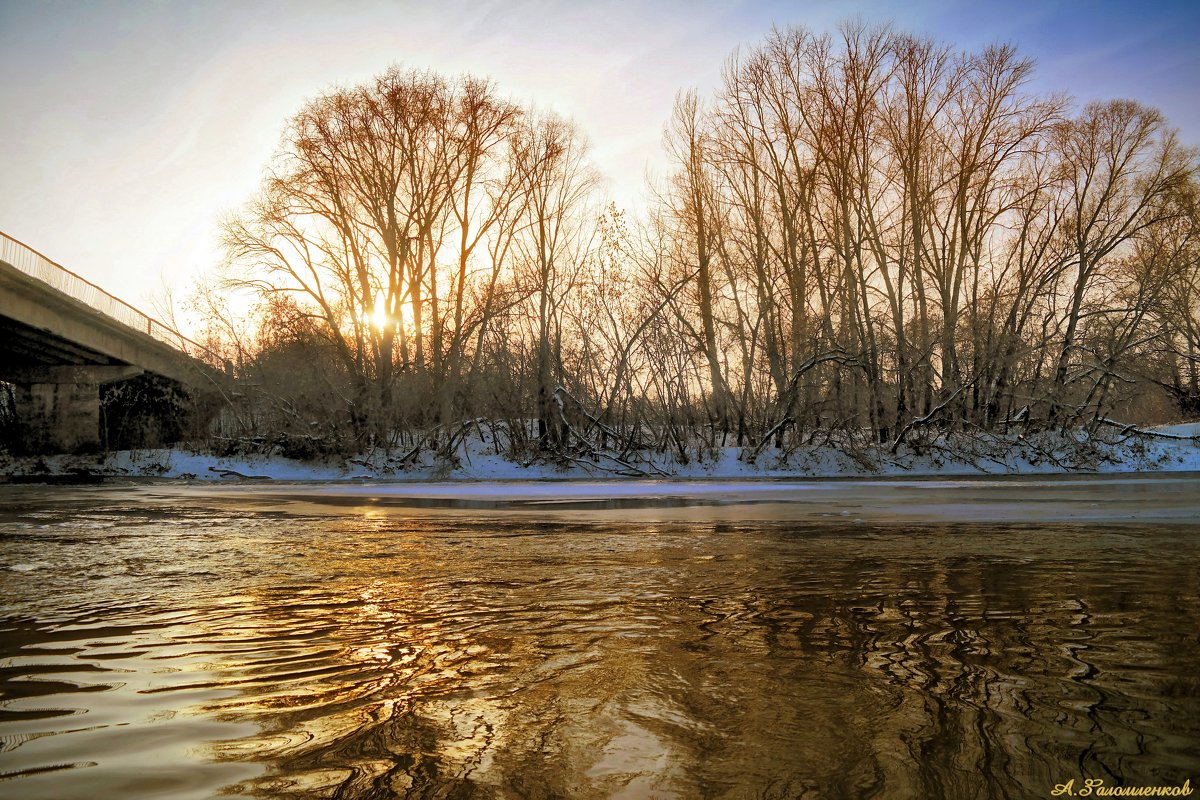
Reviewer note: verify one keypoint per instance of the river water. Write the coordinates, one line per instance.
(970, 639)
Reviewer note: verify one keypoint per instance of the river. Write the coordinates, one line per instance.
(891, 639)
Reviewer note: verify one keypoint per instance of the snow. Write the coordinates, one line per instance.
(477, 461)
(1184, 429)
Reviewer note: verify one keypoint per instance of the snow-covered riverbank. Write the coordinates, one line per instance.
(476, 460)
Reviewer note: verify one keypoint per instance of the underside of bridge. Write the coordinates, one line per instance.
(57, 396)
(58, 352)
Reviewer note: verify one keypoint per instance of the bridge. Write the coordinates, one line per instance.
(62, 338)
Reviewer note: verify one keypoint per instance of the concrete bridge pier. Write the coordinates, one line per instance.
(58, 407)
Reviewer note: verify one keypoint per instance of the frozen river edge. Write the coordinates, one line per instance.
(1169, 498)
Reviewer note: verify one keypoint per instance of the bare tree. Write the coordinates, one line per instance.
(1120, 163)
(692, 203)
(369, 183)
(557, 180)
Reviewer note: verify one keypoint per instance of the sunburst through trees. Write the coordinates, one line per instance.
(865, 233)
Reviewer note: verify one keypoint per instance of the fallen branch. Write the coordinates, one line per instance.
(928, 418)
(590, 448)
(1129, 428)
(766, 438)
(596, 422)
(229, 473)
(837, 355)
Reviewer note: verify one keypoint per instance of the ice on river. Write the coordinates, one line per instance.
(1014, 499)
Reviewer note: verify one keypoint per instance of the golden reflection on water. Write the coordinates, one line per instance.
(380, 655)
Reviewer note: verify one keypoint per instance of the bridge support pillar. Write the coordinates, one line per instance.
(58, 408)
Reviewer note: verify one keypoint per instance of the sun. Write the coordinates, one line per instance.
(380, 318)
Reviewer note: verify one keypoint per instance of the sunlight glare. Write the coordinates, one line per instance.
(379, 317)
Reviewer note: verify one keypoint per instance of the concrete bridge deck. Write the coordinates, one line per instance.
(62, 337)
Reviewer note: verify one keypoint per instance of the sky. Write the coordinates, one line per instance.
(129, 129)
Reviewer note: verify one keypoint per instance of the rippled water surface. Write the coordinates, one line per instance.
(194, 642)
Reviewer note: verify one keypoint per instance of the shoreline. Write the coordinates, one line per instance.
(853, 503)
(476, 461)
(424, 480)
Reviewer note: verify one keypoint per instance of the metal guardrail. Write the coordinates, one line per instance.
(36, 265)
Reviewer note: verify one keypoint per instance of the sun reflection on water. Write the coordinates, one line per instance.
(361, 656)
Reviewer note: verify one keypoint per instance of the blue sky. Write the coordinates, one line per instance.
(128, 128)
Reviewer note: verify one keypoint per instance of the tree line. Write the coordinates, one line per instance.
(864, 234)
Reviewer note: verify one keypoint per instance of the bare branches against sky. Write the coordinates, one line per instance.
(132, 127)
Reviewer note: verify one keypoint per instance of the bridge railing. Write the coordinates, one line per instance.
(36, 265)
